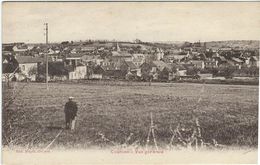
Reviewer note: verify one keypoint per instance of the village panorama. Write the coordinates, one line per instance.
(131, 97)
(133, 61)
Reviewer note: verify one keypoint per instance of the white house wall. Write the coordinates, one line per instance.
(25, 68)
(79, 73)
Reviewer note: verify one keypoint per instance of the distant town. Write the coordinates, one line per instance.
(135, 61)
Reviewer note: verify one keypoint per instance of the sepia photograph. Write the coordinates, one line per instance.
(130, 82)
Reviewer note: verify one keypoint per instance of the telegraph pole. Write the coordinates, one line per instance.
(46, 35)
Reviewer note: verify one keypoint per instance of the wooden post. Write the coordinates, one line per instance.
(46, 34)
(196, 144)
(199, 132)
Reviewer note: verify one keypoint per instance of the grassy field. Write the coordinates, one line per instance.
(227, 113)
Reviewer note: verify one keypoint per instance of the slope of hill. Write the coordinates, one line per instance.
(251, 44)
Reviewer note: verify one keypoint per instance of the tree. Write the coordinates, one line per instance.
(147, 77)
(54, 69)
(213, 71)
(65, 42)
(253, 70)
(10, 65)
(138, 47)
(209, 53)
(164, 74)
(32, 71)
(228, 71)
(192, 71)
(174, 68)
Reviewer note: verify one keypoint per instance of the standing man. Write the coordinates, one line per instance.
(70, 110)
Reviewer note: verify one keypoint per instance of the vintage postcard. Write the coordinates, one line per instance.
(130, 82)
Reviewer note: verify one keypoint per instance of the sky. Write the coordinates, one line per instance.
(147, 21)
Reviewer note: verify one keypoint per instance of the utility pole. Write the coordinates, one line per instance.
(46, 35)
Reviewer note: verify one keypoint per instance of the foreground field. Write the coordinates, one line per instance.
(226, 113)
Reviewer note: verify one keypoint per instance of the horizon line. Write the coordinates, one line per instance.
(113, 40)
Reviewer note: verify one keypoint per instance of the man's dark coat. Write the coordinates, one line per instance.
(70, 110)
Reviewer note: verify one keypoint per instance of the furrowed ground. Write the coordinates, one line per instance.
(227, 113)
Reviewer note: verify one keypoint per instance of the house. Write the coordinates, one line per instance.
(56, 49)
(72, 59)
(163, 69)
(53, 50)
(160, 65)
(7, 49)
(214, 49)
(98, 60)
(159, 54)
(211, 63)
(93, 58)
(101, 49)
(28, 67)
(236, 62)
(148, 67)
(177, 58)
(174, 51)
(166, 74)
(138, 59)
(186, 49)
(121, 56)
(74, 63)
(88, 49)
(124, 68)
(225, 49)
(201, 56)
(221, 59)
(157, 69)
(181, 72)
(78, 72)
(107, 61)
(132, 68)
(67, 50)
(97, 73)
(55, 57)
(60, 71)
(88, 58)
(215, 55)
(115, 69)
(113, 72)
(20, 48)
(198, 63)
(75, 50)
(178, 70)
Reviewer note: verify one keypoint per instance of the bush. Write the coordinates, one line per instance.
(192, 71)
(227, 72)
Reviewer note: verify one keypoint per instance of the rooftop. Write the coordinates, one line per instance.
(28, 59)
(161, 65)
(131, 64)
